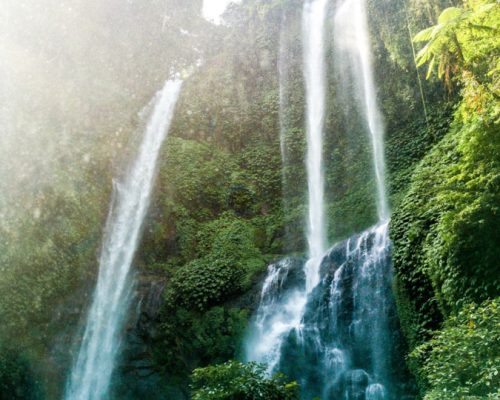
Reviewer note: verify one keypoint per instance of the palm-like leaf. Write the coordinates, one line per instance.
(443, 47)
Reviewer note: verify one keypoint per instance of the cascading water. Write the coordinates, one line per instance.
(281, 308)
(332, 325)
(352, 53)
(276, 319)
(353, 63)
(91, 374)
(344, 349)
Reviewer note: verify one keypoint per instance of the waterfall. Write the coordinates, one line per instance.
(314, 75)
(281, 308)
(353, 61)
(338, 341)
(277, 318)
(330, 322)
(91, 374)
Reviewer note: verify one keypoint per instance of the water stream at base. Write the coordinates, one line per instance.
(91, 375)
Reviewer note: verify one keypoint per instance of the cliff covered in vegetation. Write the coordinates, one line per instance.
(229, 200)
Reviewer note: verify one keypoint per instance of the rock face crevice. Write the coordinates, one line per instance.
(137, 375)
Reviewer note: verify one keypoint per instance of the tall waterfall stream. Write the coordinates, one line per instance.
(329, 322)
(91, 374)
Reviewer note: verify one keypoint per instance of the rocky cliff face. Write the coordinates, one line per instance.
(137, 374)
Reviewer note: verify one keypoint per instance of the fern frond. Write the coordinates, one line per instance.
(450, 14)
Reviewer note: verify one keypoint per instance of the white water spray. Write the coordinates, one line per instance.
(314, 14)
(276, 316)
(91, 375)
(353, 58)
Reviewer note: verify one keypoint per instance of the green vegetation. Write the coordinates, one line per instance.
(224, 205)
(446, 228)
(234, 380)
(463, 39)
(462, 360)
(447, 223)
(190, 338)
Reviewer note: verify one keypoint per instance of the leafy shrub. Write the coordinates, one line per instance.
(204, 282)
(463, 360)
(236, 381)
(229, 262)
(260, 164)
(241, 199)
(233, 240)
(194, 175)
(227, 237)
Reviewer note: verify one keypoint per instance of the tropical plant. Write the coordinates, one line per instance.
(461, 40)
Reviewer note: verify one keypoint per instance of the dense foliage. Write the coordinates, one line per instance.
(462, 360)
(446, 229)
(234, 380)
(190, 339)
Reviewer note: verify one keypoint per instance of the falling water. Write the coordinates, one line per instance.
(281, 308)
(277, 318)
(91, 375)
(345, 348)
(313, 24)
(332, 325)
(352, 52)
(353, 60)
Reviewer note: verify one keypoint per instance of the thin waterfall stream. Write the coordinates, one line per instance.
(329, 322)
(277, 322)
(353, 63)
(313, 26)
(91, 375)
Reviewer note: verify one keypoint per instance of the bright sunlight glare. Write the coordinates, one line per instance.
(213, 9)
